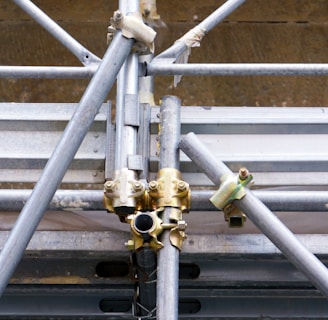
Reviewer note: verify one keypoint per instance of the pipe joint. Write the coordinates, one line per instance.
(145, 227)
(124, 195)
(169, 191)
(132, 26)
(233, 187)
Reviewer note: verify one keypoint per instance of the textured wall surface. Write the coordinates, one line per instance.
(259, 31)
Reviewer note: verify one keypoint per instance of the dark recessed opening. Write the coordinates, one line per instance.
(188, 271)
(143, 222)
(188, 306)
(115, 305)
(236, 222)
(108, 269)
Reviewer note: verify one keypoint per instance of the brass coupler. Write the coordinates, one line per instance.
(145, 227)
(169, 191)
(232, 188)
(124, 195)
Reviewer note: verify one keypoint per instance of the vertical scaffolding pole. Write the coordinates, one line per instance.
(168, 256)
(127, 84)
(260, 215)
(62, 156)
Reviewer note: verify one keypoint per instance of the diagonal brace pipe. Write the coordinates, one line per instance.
(84, 55)
(62, 156)
(260, 215)
(173, 52)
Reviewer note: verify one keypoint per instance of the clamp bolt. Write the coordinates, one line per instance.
(118, 16)
(137, 186)
(182, 225)
(130, 245)
(243, 173)
(109, 185)
(182, 186)
(153, 185)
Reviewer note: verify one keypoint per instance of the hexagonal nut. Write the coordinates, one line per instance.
(130, 245)
(109, 186)
(182, 225)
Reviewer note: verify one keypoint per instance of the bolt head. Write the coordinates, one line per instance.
(130, 244)
(137, 186)
(109, 185)
(118, 16)
(182, 225)
(182, 186)
(243, 173)
(153, 185)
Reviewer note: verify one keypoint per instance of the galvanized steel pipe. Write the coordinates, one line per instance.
(62, 156)
(260, 215)
(168, 257)
(84, 55)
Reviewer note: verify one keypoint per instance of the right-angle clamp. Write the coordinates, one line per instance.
(232, 188)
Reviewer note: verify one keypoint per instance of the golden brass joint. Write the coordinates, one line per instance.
(125, 192)
(145, 227)
(169, 191)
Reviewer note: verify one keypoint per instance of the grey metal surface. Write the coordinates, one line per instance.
(260, 215)
(49, 72)
(278, 143)
(276, 200)
(62, 156)
(29, 134)
(168, 256)
(275, 144)
(237, 69)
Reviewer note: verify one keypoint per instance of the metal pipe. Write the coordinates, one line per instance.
(237, 69)
(144, 223)
(84, 55)
(153, 68)
(62, 156)
(208, 24)
(260, 215)
(49, 72)
(126, 136)
(168, 257)
(303, 201)
(147, 264)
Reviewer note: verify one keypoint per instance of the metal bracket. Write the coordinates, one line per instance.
(145, 227)
(124, 192)
(232, 188)
(132, 26)
(169, 191)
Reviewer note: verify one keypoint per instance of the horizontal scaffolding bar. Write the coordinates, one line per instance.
(14, 200)
(48, 72)
(209, 69)
(237, 69)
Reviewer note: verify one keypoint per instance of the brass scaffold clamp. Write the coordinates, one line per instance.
(170, 191)
(124, 194)
(232, 188)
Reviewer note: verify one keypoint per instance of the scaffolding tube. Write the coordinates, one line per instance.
(62, 156)
(47, 72)
(168, 256)
(236, 69)
(260, 215)
(303, 201)
(154, 68)
(209, 23)
(84, 55)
